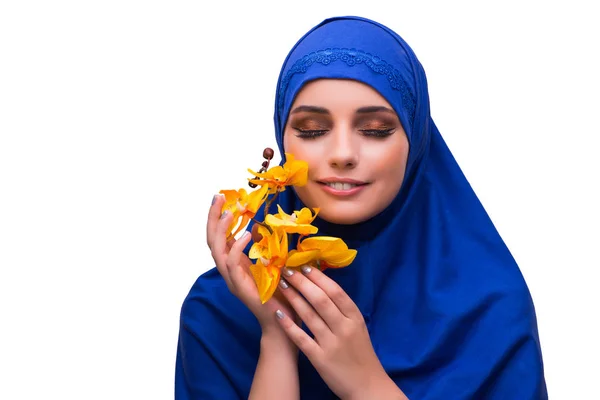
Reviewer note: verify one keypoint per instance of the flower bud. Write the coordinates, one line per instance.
(268, 153)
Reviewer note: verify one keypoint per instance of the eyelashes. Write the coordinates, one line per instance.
(310, 134)
(315, 133)
(378, 132)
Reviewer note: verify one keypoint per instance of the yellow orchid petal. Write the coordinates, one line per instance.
(257, 251)
(291, 173)
(266, 279)
(340, 260)
(276, 275)
(323, 243)
(297, 171)
(264, 231)
(282, 214)
(333, 251)
(231, 196)
(305, 216)
(242, 224)
(290, 226)
(297, 222)
(277, 173)
(257, 198)
(261, 174)
(234, 221)
(242, 205)
(304, 230)
(289, 158)
(298, 258)
(273, 247)
(279, 244)
(273, 186)
(297, 177)
(261, 248)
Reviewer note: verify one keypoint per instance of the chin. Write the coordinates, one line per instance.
(342, 218)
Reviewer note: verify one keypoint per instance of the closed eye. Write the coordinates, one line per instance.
(310, 134)
(378, 132)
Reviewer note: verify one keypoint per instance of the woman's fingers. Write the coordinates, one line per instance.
(305, 343)
(315, 289)
(305, 311)
(226, 253)
(214, 239)
(219, 249)
(333, 291)
(230, 243)
(214, 213)
(236, 268)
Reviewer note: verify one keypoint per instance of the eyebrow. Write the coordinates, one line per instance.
(321, 110)
(372, 109)
(313, 109)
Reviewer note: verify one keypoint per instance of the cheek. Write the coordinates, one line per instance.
(303, 150)
(392, 164)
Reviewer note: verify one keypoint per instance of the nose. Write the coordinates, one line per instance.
(344, 150)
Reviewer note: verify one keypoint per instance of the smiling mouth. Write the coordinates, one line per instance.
(341, 185)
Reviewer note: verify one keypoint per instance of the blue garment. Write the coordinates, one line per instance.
(448, 311)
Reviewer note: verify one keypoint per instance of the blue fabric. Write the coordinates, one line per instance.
(448, 311)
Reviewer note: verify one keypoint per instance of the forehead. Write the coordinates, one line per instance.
(338, 94)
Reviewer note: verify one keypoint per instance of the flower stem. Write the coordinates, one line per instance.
(299, 239)
(270, 201)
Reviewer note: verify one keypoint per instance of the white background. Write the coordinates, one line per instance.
(120, 119)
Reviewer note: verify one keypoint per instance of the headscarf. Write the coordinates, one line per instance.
(448, 311)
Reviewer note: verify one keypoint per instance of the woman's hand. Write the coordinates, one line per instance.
(234, 266)
(341, 350)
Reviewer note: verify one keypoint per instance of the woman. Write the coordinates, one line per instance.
(433, 306)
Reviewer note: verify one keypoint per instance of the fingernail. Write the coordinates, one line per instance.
(224, 214)
(279, 314)
(214, 199)
(245, 234)
(288, 272)
(283, 284)
(306, 269)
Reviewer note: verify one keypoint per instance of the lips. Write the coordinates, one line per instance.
(341, 180)
(342, 186)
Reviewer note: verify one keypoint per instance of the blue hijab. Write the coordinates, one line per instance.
(448, 311)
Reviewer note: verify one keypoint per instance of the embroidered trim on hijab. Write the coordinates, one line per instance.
(352, 57)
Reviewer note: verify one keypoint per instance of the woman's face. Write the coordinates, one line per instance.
(355, 147)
